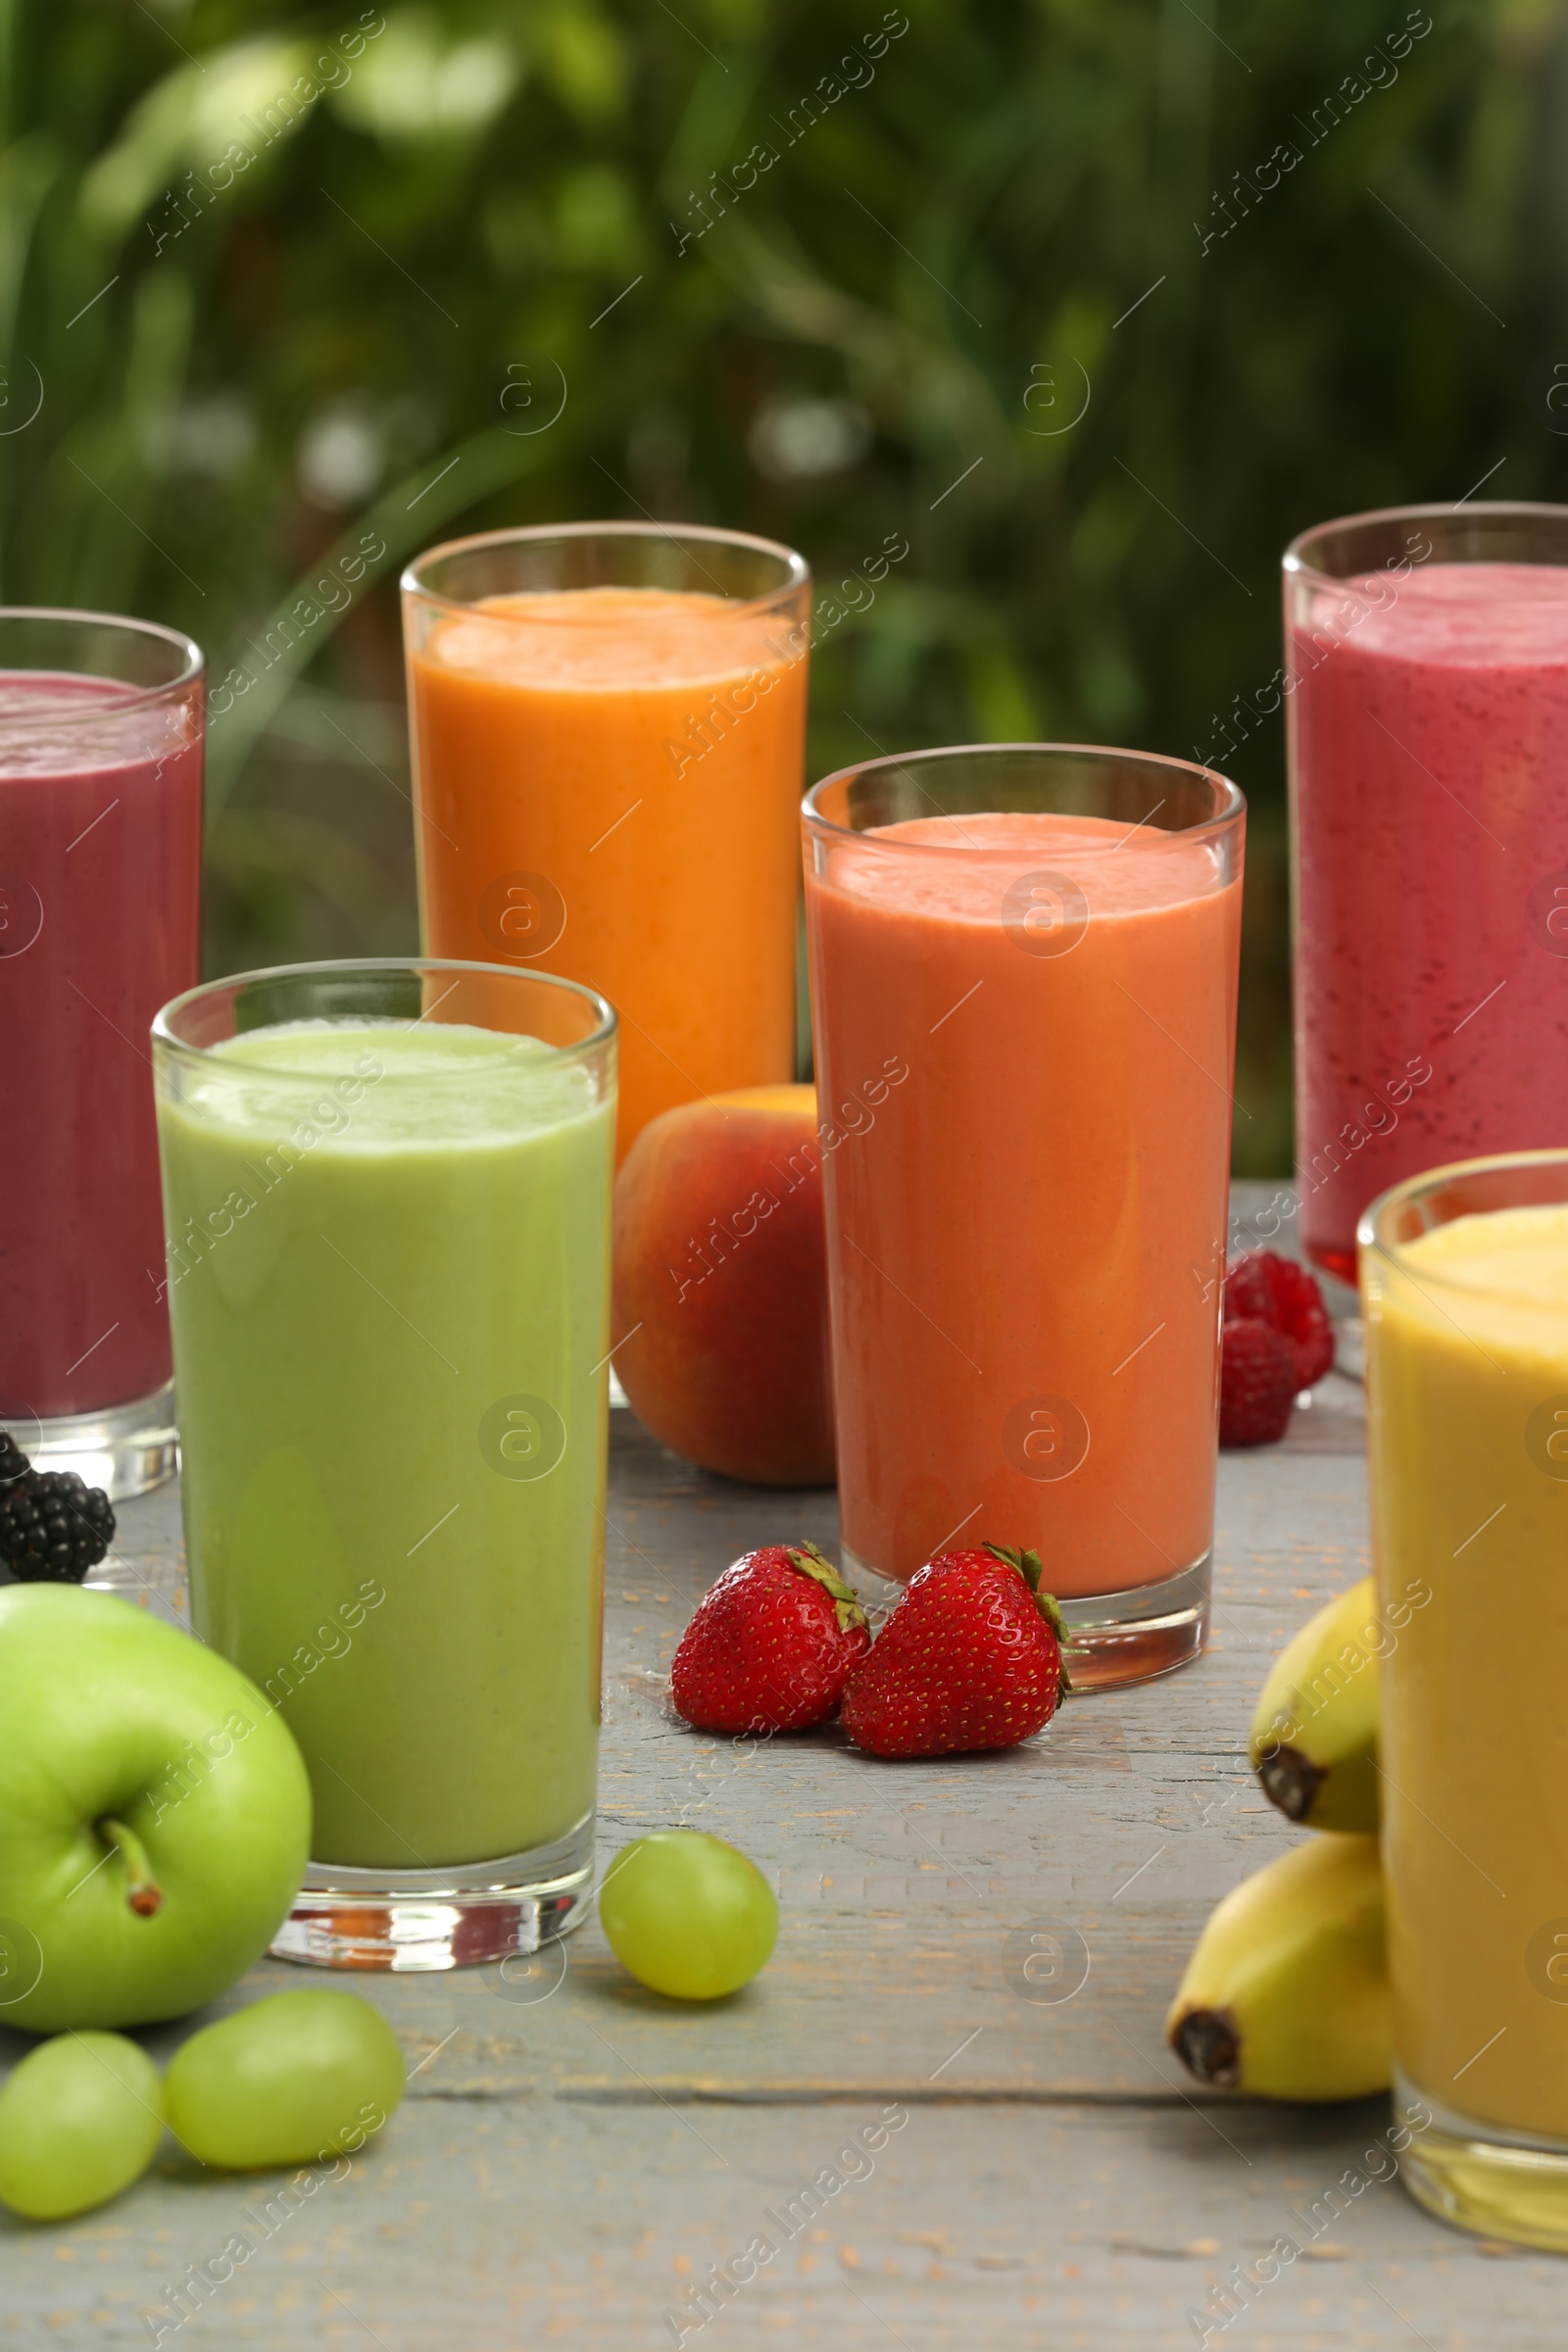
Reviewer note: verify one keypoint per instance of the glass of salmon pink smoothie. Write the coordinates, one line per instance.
(1427, 676)
(101, 740)
(387, 1199)
(1023, 979)
(608, 723)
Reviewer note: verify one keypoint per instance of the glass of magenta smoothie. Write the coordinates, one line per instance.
(1427, 677)
(101, 739)
(386, 1189)
(1023, 979)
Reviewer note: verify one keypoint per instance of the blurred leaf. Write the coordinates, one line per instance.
(1007, 710)
(238, 104)
(585, 62)
(253, 690)
(422, 81)
(596, 216)
(26, 169)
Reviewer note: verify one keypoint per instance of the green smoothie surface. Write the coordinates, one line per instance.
(434, 1083)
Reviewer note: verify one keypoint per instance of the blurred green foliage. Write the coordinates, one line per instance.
(283, 286)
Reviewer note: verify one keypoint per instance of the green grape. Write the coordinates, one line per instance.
(291, 2080)
(79, 2119)
(687, 1914)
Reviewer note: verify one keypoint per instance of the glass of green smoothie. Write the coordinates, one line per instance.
(386, 1197)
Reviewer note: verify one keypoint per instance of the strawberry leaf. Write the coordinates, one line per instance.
(1028, 1563)
(1049, 1608)
(810, 1562)
(1031, 1568)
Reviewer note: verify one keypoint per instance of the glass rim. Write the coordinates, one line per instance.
(165, 1036)
(66, 709)
(797, 569)
(1230, 815)
(1294, 566)
(1370, 1239)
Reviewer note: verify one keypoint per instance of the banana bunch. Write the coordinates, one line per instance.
(1287, 1994)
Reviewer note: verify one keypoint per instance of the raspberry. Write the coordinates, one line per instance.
(1250, 1286)
(1278, 1291)
(1257, 1383)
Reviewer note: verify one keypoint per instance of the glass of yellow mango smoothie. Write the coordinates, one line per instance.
(1464, 1287)
(386, 1195)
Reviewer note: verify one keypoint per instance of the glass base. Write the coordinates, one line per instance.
(1479, 2177)
(410, 1920)
(1328, 1259)
(1116, 1637)
(127, 1450)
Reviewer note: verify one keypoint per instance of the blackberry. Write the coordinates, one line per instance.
(53, 1526)
(13, 1462)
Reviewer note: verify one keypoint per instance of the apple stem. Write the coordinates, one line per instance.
(142, 1890)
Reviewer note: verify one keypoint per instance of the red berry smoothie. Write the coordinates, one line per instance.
(100, 861)
(1429, 738)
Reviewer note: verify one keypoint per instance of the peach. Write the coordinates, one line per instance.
(720, 1285)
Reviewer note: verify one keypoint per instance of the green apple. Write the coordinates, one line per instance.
(155, 1815)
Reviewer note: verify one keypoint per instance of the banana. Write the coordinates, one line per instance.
(1314, 1740)
(1287, 1995)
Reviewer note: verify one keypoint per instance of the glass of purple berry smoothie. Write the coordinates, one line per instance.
(1427, 689)
(101, 744)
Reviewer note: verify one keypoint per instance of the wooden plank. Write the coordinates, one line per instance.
(498, 2223)
(574, 2152)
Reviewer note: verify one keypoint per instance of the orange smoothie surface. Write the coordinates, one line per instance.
(606, 782)
(1025, 1234)
(609, 639)
(1120, 872)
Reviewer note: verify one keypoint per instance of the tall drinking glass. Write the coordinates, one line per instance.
(101, 738)
(1023, 976)
(1427, 671)
(386, 1187)
(1464, 1290)
(609, 725)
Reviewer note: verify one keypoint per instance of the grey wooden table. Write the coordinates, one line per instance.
(984, 2165)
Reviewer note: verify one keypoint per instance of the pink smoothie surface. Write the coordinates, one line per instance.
(100, 861)
(1429, 727)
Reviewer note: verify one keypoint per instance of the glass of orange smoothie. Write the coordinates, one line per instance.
(608, 723)
(1464, 1290)
(1023, 976)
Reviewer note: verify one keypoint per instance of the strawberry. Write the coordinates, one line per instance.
(1277, 1290)
(772, 1645)
(1257, 1383)
(971, 1657)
